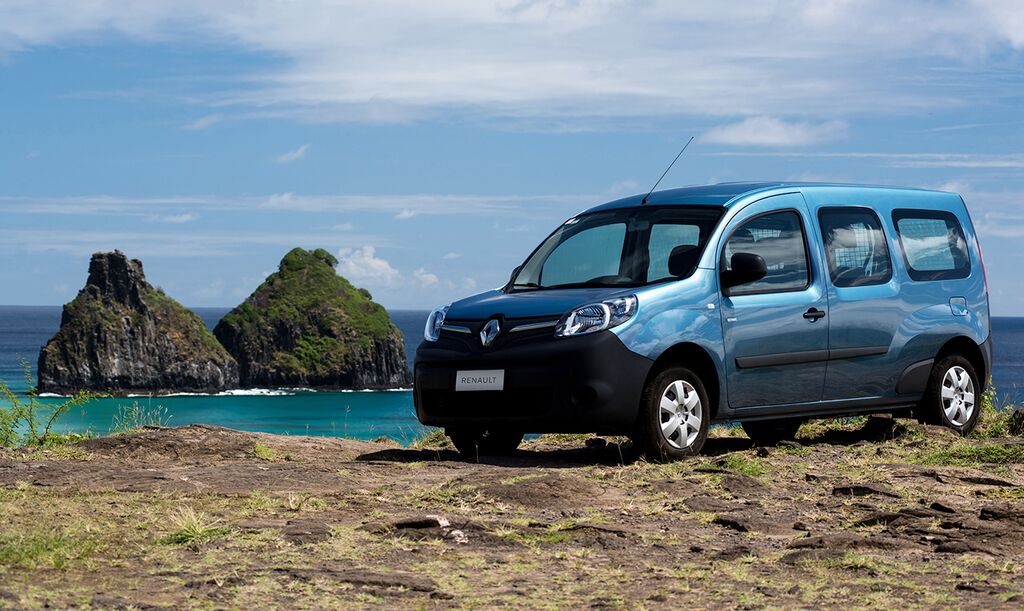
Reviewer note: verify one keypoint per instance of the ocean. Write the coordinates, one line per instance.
(359, 414)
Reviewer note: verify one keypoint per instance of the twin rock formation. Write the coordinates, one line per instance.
(305, 326)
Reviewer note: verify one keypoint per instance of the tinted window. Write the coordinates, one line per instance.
(855, 247)
(933, 244)
(779, 239)
(592, 253)
(669, 238)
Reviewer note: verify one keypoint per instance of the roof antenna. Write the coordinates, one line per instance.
(644, 200)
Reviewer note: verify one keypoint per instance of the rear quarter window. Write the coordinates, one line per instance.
(933, 244)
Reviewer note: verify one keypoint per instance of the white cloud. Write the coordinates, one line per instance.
(343, 227)
(362, 267)
(452, 256)
(469, 284)
(1011, 161)
(293, 156)
(425, 278)
(770, 131)
(406, 213)
(176, 219)
(558, 60)
(204, 122)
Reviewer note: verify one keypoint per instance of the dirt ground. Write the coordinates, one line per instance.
(881, 514)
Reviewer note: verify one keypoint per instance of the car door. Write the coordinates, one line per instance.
(775, 329)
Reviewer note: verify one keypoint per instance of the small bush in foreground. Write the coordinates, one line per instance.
(30, 415)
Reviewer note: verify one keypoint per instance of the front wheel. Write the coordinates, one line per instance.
(674, 415)
(473, 442)
(953, 395)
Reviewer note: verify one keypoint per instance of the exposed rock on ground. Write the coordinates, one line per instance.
(122, 335)
(843, 519)
(306, 326)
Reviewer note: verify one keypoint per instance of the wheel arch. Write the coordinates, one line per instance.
(971, 351)
(699, 360)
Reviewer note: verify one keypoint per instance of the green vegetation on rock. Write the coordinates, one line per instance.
(121, 334)
(308, 326)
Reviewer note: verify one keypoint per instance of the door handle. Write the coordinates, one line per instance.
(814, 314)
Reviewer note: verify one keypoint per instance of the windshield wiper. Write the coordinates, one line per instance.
(528, 285)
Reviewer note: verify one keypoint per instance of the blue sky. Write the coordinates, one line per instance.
(432, 145)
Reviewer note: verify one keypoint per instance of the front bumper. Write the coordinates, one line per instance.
(585, 384)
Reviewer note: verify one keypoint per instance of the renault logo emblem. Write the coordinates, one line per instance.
(489, 332)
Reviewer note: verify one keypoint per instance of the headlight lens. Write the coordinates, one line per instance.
(433, 329)
(595, 317)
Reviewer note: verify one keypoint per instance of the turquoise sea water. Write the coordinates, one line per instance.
(363, 415)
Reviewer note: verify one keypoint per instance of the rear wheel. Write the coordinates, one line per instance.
(953, 395)
(771, 432)
(473, 441)
(674, 415)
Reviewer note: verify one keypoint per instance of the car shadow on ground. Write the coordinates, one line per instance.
(597, 451)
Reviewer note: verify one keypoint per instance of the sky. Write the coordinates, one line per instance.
(432, 145)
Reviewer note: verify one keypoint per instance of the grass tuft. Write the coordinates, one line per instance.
(193, 527)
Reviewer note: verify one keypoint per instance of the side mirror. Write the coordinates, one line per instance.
(746, 268)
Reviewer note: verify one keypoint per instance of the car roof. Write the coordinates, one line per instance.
(726, 193)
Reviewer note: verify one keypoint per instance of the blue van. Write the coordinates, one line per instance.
(760, 303)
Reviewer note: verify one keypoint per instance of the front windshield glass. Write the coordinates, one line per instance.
(630, 247)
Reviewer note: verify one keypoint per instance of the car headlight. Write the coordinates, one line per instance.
(595, 317)
(433, 329)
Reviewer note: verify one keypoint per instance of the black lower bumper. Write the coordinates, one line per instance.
(581, 384)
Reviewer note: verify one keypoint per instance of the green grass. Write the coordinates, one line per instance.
(738, 463)
(263, 451)
(974, 455)
(56, 550)
(432, 440)
(193, 527)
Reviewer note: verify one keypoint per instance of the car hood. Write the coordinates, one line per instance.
(528, 304)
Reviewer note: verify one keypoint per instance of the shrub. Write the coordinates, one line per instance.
(26, 419)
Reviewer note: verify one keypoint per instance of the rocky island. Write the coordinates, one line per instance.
(120, 334)
(306, 326)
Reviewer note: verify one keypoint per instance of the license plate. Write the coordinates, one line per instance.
(483, 379)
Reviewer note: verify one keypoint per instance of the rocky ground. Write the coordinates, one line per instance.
(875, 514)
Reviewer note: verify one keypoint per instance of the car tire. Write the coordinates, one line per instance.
(473, 442)
(953, 395)
(674, 415)
(771, 432)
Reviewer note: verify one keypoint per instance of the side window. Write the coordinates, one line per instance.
(589, 254)
(933, 244)
(855, 247)
(779, 239)
(667, 238)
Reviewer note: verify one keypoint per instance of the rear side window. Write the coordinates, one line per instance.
(933, 244)
(779, 239)
(855, 247)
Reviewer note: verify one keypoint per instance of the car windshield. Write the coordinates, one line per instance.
(620, 248)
